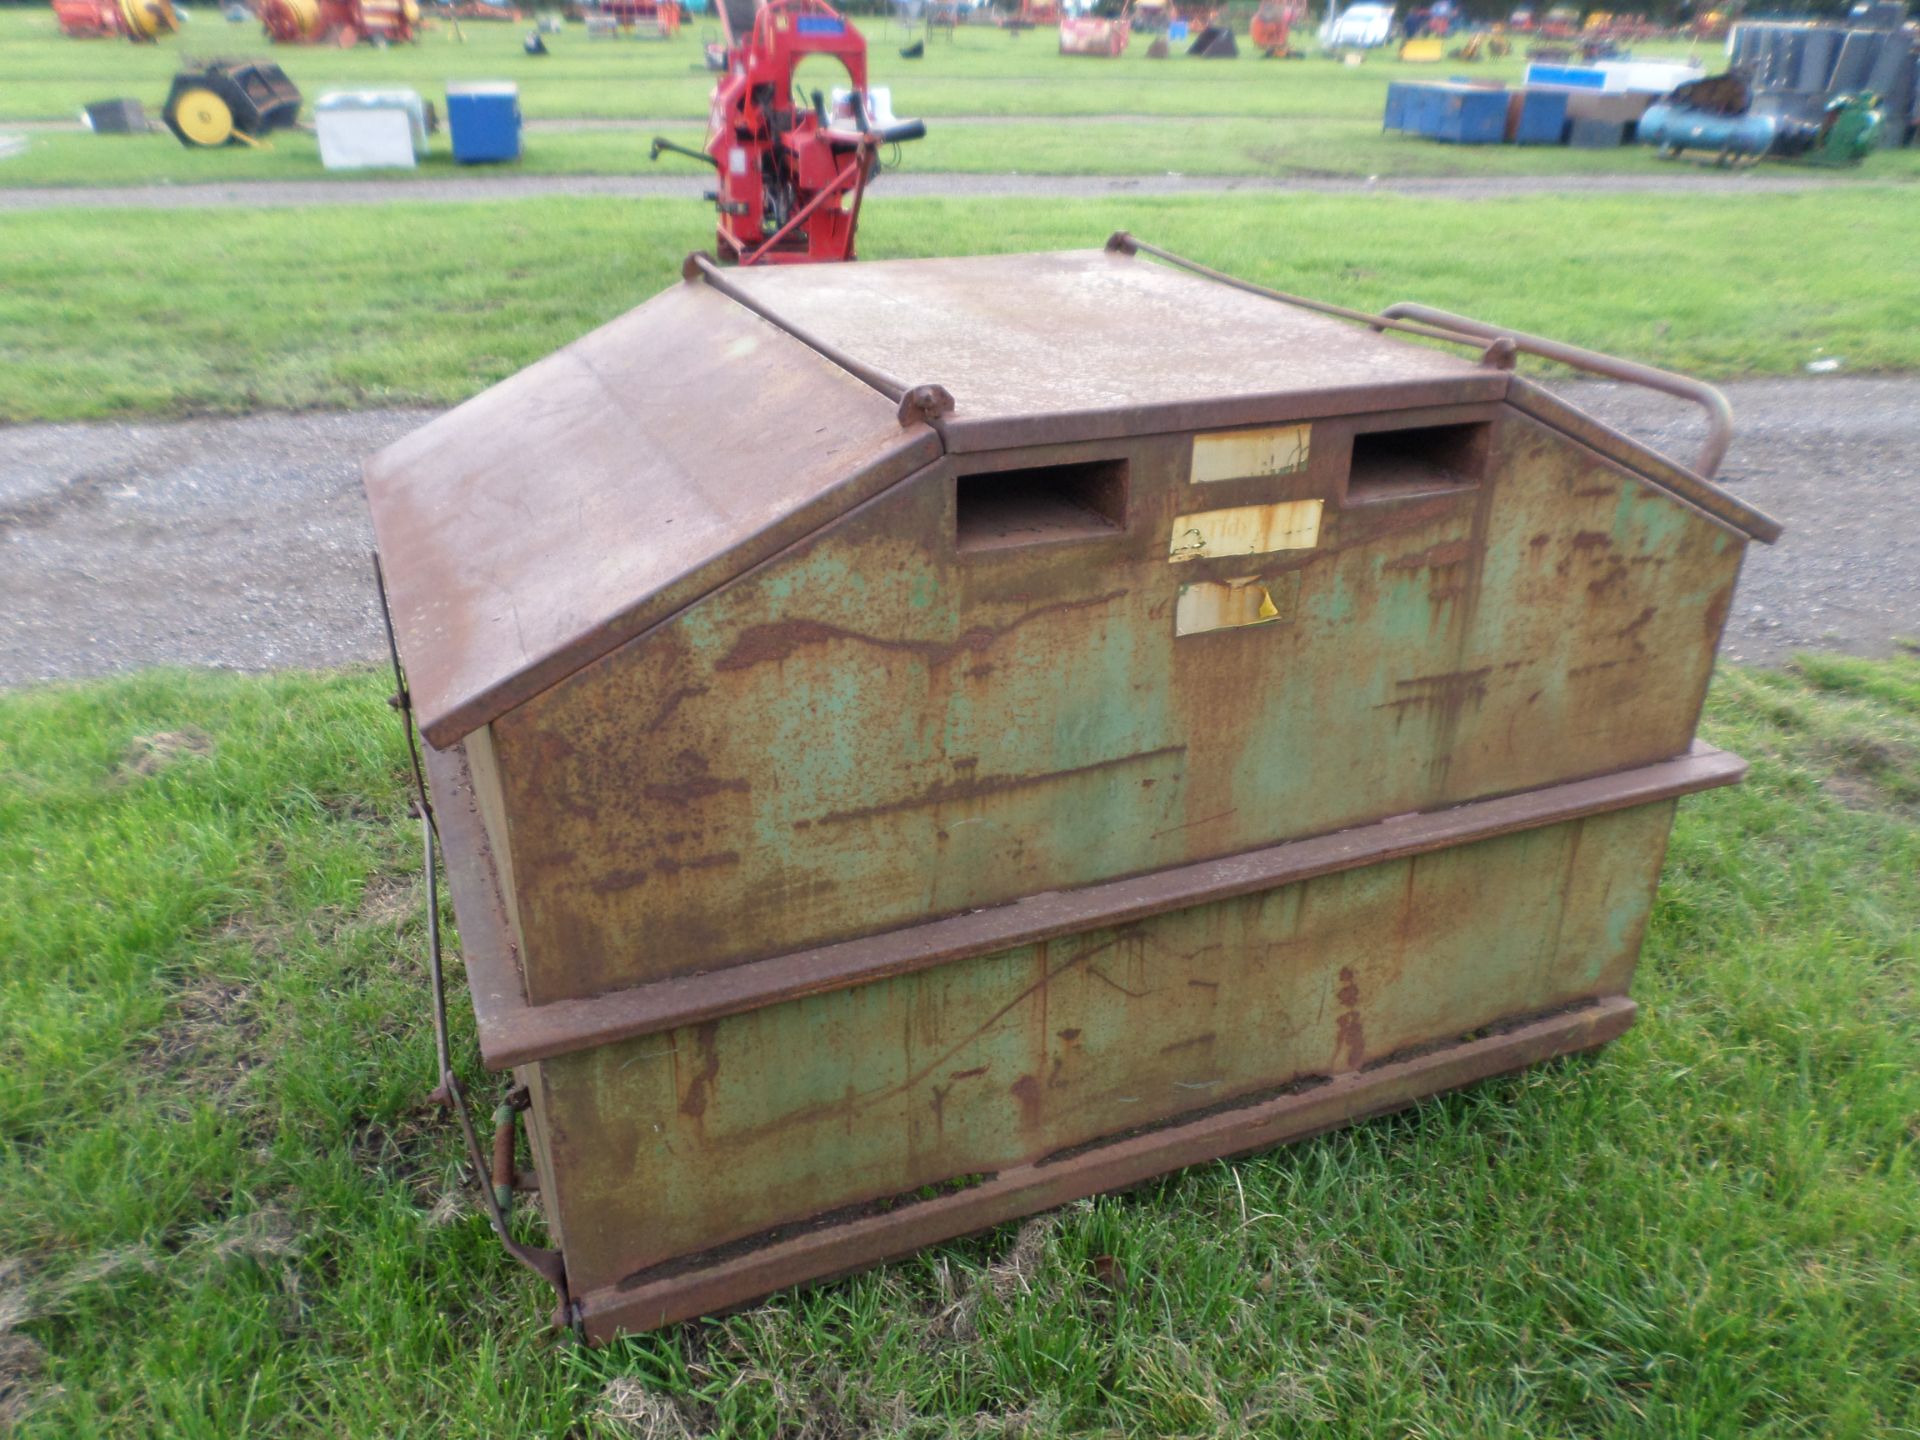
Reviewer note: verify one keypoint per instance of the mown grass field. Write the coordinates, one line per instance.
(189, 312)
(1246, 117)
(1292, 148)
(227, 1214)
(983, 71)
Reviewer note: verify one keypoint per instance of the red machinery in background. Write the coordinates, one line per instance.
(1103, 28)
(1031, 15)
(138, 20)
(658, 19)
(1272, 27)
(791, 174)
(341, 22)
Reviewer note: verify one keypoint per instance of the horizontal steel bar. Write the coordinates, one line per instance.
(1719, 411)
(925, 403)
(512, 1032)
(693, 1288)
(1121, 243)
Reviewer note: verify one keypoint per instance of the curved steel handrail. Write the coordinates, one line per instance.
(1719, 412)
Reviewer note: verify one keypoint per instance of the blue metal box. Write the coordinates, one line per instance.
(1541, 117)
(1466, 115)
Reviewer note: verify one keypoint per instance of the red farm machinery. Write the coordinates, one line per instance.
(137, 20)
(1271, 30)
(1031, 15)
(792, 168)
(1103, 28)
(647, 19)
(339, 22)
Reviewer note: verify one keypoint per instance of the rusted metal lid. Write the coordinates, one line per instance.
(541, 524)
(1088, 344)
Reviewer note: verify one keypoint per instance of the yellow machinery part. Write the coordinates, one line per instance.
(204, 118)
(149, 19)
(305, 15)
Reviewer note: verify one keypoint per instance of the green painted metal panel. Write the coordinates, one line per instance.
(878, 727)
(682, 1141)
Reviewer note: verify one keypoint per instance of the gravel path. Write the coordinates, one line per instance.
(688, 185)
(244, 543)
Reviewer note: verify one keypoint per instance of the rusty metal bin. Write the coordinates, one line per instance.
(876, 808)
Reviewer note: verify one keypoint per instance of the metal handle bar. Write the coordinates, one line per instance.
(1500, 342)
(1719, 412)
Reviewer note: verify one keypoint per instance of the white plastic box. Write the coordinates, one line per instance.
(371, 129)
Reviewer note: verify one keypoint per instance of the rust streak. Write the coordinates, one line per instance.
(700, 1090)
(1176, 829)
(986, 785)
(1188, 1044)
(1446, 552)
(685, 792)
(673, 703)
(615, 881)
(1447, 693)
(780, 640)
(1099, 974)
(1027, 1091)
(1631, 630)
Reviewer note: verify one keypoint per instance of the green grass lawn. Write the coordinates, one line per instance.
(227, 1214)
(984, 71)
(1292, 147)
(187, 312)
(1247, 117)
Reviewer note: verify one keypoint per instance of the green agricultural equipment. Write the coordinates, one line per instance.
(1848, 133)
(968, 734)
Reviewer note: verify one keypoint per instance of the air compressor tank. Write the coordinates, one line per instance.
(1672, 129)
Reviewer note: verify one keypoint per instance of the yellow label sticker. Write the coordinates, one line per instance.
(1246, 530)
(1248, 454)
(1226, 604)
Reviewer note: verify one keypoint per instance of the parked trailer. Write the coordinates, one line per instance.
(973, 733)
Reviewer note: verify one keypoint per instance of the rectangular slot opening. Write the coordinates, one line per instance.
(1049, 502)
(1391, 464)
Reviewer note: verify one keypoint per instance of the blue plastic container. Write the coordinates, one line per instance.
(1542, 119)
(1576, 77)
(1399, 96)
(1469, 115)
(484, 118)
(1423, 110)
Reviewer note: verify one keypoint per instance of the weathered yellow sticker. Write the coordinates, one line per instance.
(1224, 604)
(1246, 530)
(1246, 454)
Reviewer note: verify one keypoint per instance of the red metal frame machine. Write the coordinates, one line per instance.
(792, 175)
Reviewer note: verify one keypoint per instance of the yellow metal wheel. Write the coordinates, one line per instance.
(204, 118)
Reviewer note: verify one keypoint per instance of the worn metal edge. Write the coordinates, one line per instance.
(968, 435)
(857, 1243)
(1549, 409)
(487, 949)
(918, 448)
(513, 1032)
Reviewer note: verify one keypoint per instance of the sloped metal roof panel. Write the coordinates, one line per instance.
(549, 519)
(1087, 344)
